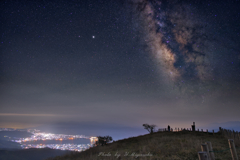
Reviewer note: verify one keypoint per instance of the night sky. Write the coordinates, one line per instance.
(121, 63)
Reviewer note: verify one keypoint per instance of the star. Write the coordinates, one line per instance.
(93, 37)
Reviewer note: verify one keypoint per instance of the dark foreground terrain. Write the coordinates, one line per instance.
(30, 154)
(158, 146)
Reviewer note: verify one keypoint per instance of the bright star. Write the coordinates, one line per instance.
(93, 36)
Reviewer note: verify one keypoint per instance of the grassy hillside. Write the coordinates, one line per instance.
(161, 145)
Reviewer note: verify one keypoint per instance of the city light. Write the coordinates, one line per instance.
(38, 136)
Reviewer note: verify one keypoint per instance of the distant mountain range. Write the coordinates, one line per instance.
(9, 145)
(231, 125)
(7, 136)
(14, 134)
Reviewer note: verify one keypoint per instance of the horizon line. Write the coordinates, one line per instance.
(24, 114)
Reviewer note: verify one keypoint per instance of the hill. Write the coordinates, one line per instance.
(14, 134)
(7, 136)
(182, 145)
(30, 154)
(9, 145)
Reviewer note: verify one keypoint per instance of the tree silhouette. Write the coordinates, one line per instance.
(103, 140)
(149, 128)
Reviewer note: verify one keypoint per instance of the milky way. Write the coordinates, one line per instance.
(124, 62)
(180, 42)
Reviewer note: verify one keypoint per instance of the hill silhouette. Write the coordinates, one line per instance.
(183, 145)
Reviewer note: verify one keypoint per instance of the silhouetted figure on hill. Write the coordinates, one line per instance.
(193, 126)
(168, 128)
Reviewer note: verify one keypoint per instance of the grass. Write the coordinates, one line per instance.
(161, 145)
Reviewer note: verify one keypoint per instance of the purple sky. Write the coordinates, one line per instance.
(119, 63)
